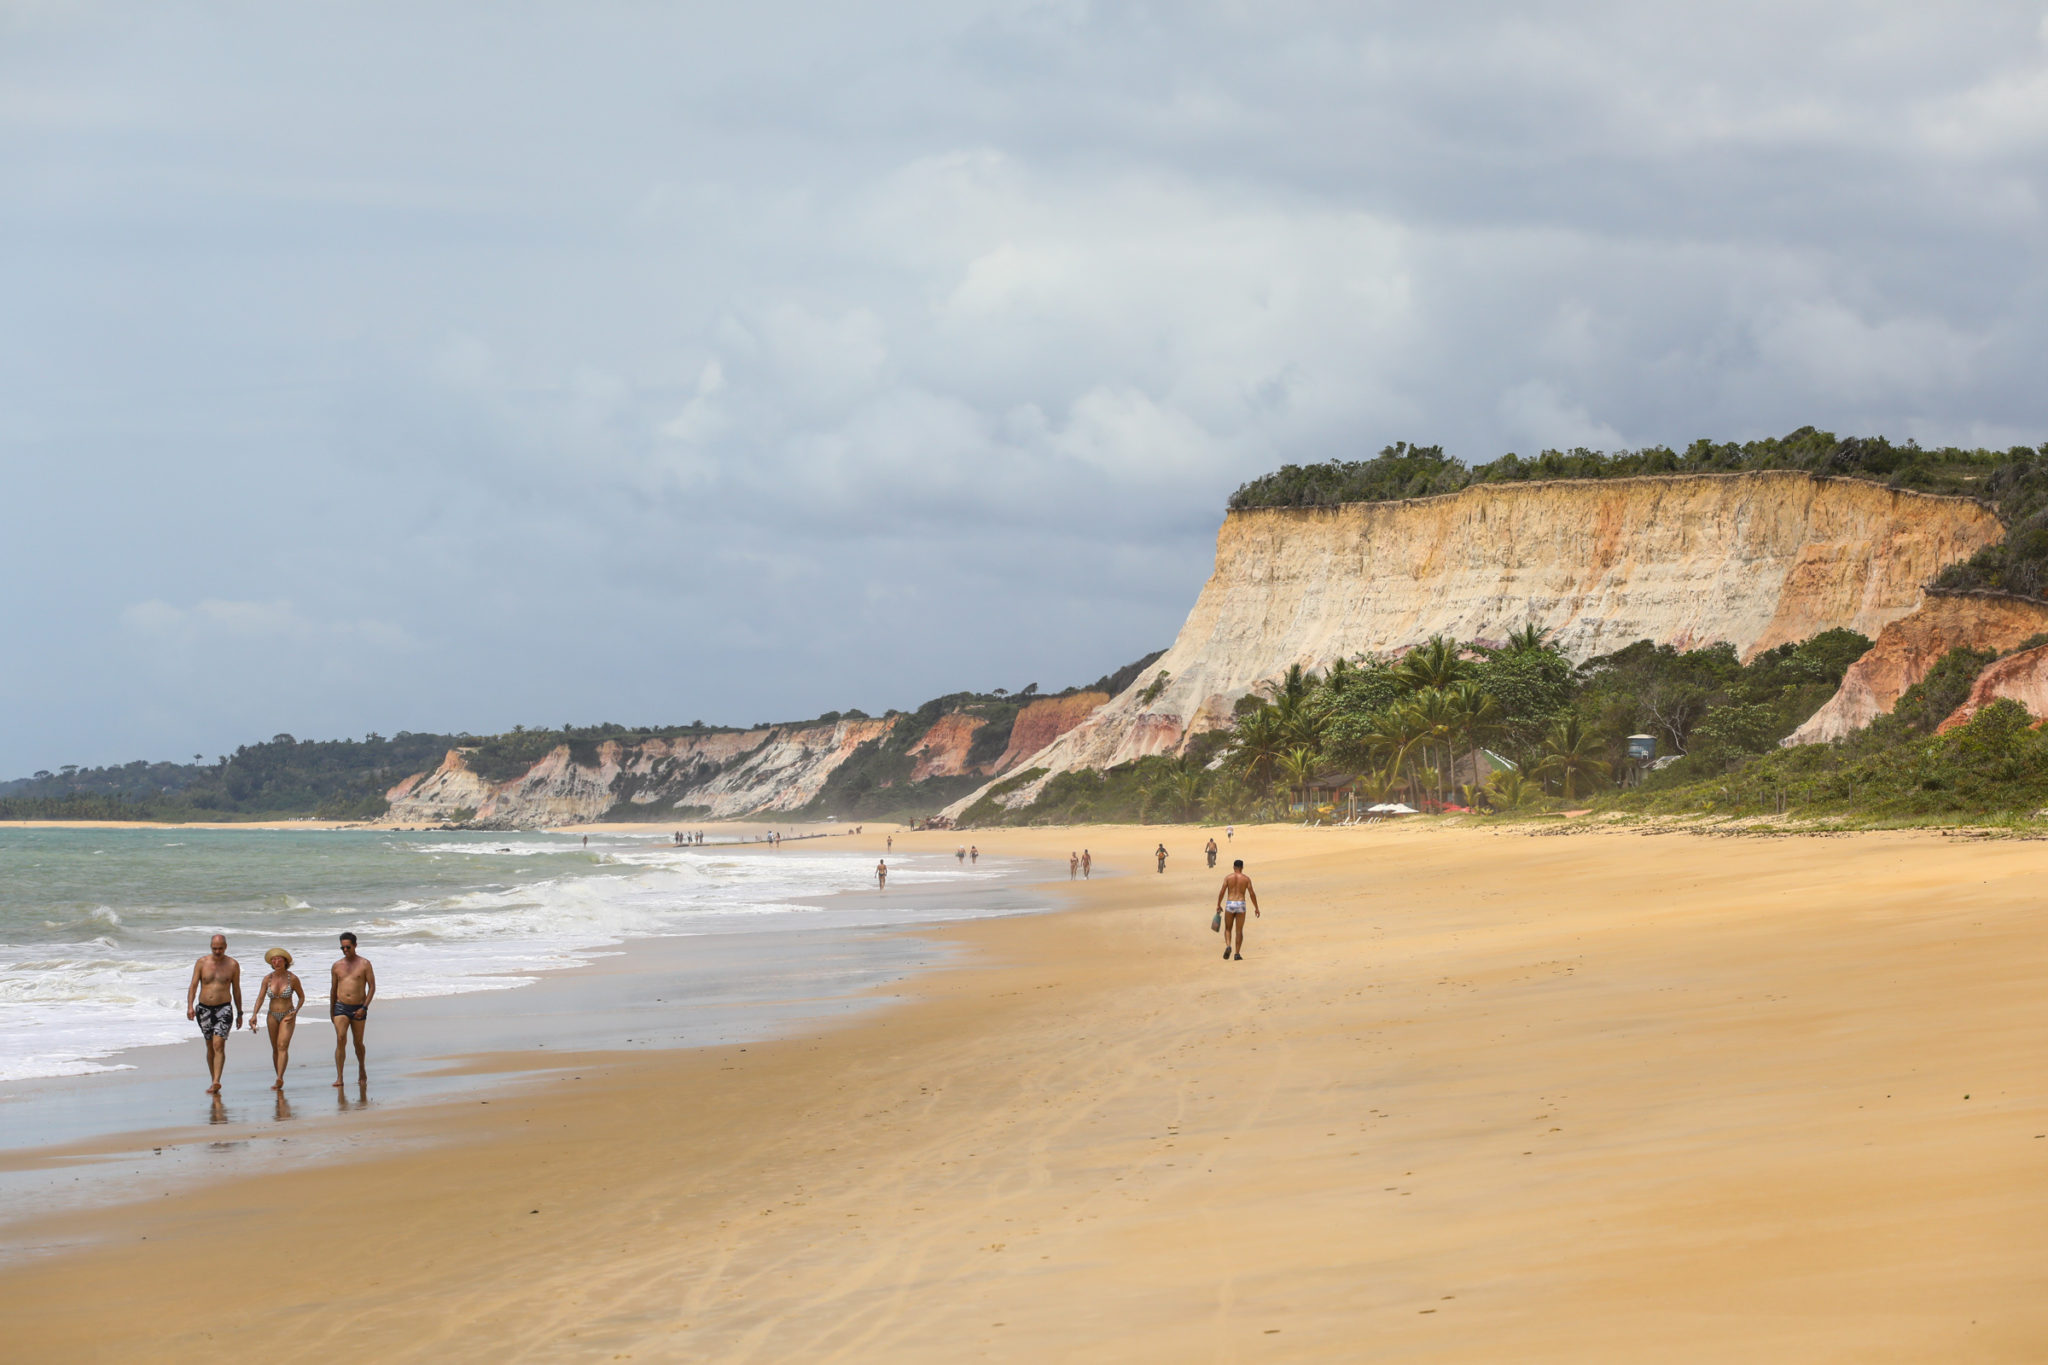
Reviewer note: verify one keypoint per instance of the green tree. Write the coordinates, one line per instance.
(1571, 757)
(1438, 663)
(1298, 767)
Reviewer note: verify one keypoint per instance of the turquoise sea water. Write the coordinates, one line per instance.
(99, 928)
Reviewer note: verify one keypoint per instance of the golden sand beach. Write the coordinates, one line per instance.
(1472, 1095)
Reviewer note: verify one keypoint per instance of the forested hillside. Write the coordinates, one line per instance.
(346, 779)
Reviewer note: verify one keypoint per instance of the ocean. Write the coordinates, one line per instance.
(99, 927)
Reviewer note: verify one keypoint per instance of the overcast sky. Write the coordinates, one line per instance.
(452, 366)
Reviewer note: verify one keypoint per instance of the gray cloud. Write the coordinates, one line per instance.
(440, 365)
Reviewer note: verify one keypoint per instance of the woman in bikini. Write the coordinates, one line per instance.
(285, 996)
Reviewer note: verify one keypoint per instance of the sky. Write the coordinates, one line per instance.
(451, 366)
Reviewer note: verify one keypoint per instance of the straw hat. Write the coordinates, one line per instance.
(273, 954)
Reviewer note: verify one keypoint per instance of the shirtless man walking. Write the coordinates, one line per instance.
(881, 874)
(353, 987)
(1230, 899)
(216, 979)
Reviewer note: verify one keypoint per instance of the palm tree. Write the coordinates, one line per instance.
(1438, 663)
(1436, 718)
(1258, 744)
(1298, 768)
(1227, 798)
(1293, 686)
(1569, 753)
(1528, 640)
(1379, 784)
(1479, 719)
(1510, 790)
(1180, 792)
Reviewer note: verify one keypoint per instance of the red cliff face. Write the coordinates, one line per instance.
(2021, 677)
(1044, 721)
(943, 750)
(1909, 646)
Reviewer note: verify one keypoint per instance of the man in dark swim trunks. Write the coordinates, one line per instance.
(216, 978)
(354, 986)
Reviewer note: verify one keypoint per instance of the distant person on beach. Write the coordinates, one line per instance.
(1086, 862)
(1230, 899)
(353, 987)
(889, 842)
(287, 997)
(1073, 866)
(1160, 854)
(216, 979)
(881, 874)
(1229, 833)
(1211, 850)
(973, 854)
(586, 841)
(960, 854)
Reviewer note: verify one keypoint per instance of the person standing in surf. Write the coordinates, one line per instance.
(286, 997)
(352, 988)
(1230, 899)
(881, 874)
(216, 978)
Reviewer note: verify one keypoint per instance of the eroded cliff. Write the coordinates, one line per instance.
(1755, 559)
(716, 776)
(1042, 722)
(2021, 677)
(1909, 646)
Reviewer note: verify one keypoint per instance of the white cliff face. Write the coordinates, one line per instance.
(1753, 559)
(740, 773)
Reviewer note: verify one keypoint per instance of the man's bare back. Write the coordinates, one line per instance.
(1231, 899)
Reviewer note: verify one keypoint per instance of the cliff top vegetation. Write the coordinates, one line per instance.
(2013, 483)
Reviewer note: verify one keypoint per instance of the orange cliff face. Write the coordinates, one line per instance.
(943, 750)
(1043, 721)
(1755, 559)
(2021, 677)
(1909, 646)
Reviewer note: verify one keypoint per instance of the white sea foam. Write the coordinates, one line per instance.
(102, 977)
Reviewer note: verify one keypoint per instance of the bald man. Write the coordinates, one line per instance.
(216, 980)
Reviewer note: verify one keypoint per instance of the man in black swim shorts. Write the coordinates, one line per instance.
(214, 1001)
(352, 987)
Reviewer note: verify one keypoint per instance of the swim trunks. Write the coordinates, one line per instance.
(218, 1020)
(1233, 907)
(338, 1010)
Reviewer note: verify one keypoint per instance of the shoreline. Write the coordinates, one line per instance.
(717, 986)
(1469, 1096)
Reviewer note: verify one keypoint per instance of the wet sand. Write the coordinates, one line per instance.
(1471, 1096)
